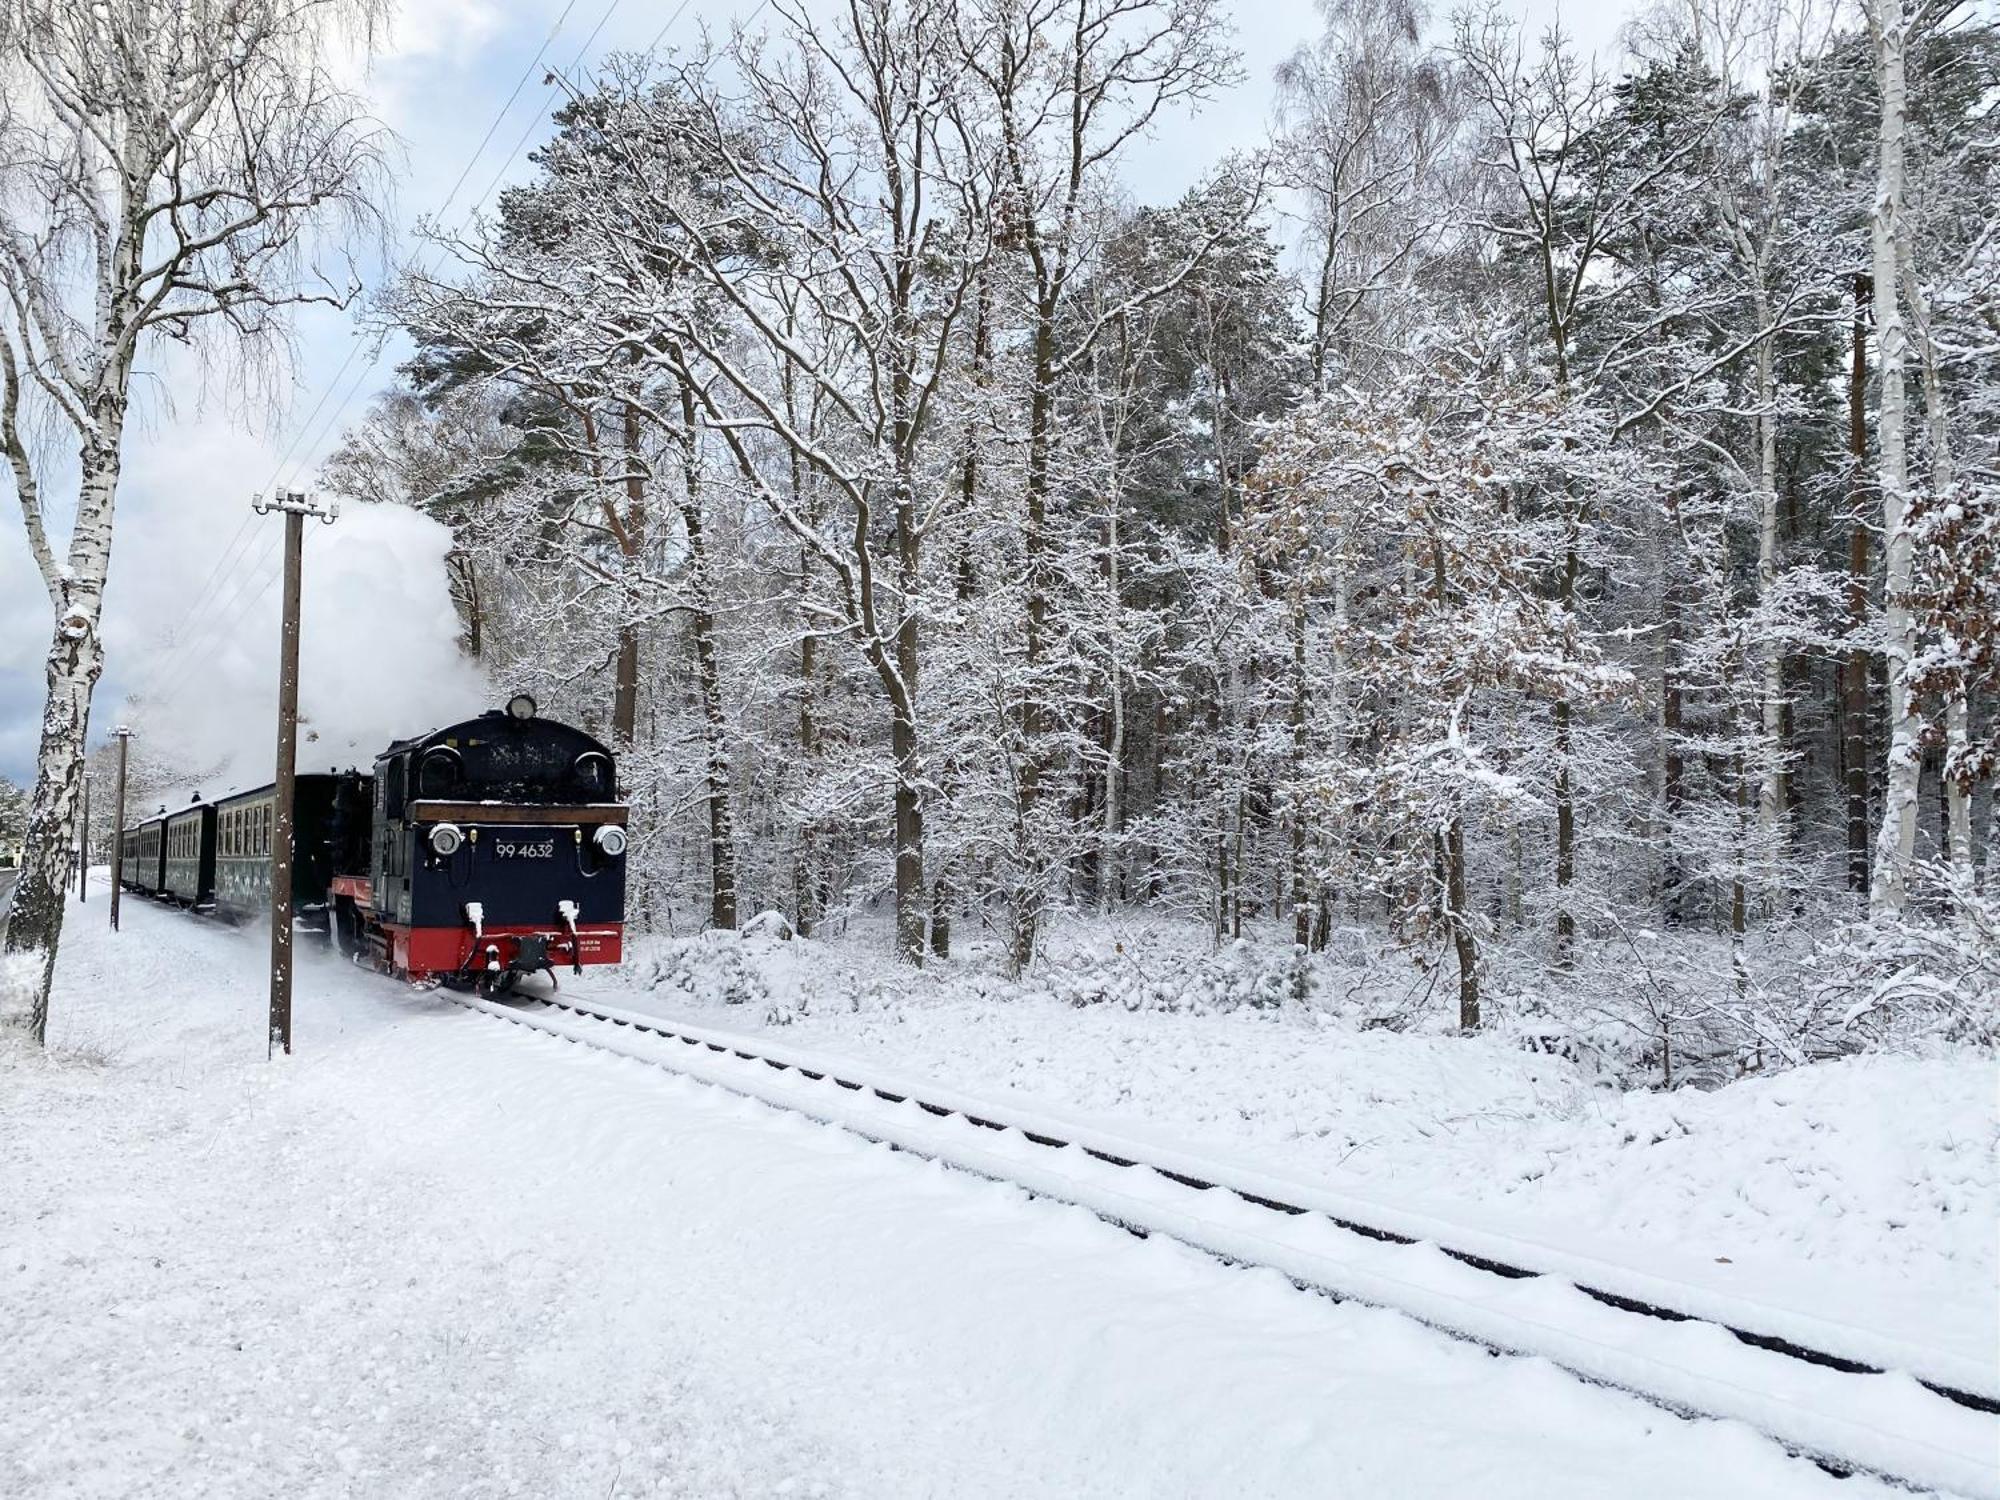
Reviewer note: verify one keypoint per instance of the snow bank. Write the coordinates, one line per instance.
(1866, 1188)
(1888, 1163)
(433, 1255)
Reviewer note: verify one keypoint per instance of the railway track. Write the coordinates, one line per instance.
(1852, 1401)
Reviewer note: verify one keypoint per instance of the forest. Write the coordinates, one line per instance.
(1533, 523)
(1542, 512)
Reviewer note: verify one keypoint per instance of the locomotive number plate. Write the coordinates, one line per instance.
(525, 848)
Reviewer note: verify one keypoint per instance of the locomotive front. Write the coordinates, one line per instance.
(498, 851)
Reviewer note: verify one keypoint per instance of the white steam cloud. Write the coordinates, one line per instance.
(378, 660)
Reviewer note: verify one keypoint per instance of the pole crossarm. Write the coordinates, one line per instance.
(296, 503)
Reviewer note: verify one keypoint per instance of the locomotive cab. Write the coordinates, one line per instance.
(498, 850)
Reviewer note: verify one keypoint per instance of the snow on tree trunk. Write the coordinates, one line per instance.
(1771, 781)
(1114, 763)
(1957, 711)
(164, 169)
(75, 661)
(708, 674)
(1854, 714)
(1465, 947)
(1896, 839)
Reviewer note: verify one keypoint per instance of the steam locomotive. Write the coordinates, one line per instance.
(474, 855)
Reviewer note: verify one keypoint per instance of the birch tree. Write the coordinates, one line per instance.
(1369, 138)
(171, 171)
(1889, 25)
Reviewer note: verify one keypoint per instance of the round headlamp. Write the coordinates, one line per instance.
(521, 707)
(610, 838)
(446, 838)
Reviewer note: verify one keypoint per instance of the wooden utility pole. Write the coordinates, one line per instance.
(83, 845)
(295, 507)
(124, 737)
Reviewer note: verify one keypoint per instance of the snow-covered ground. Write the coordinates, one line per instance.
(431, 1255)
(1866, 1190)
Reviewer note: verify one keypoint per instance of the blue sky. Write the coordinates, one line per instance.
(441, 82)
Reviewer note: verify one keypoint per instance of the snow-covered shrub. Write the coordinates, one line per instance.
(1927, 978)
(711, 966)
(1240, 975)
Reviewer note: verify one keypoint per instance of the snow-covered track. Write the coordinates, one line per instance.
(1846, 1397)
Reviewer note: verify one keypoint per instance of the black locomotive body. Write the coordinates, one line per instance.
(498, 849)
(476, 853)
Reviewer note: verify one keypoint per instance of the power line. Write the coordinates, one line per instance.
(184, 651)
(222, 562)
(668, 25)
(519, 84)
(534, 120)
(183, 659)
(209, 631)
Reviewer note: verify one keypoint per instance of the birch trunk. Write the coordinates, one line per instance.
(1957, 791)
(1957, 711)
(74, 663)
(1896, 839)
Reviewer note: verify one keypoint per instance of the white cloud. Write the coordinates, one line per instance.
(450, 30)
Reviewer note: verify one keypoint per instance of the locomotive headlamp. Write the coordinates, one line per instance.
(611, 839)
(521, 707)
(446, 838)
